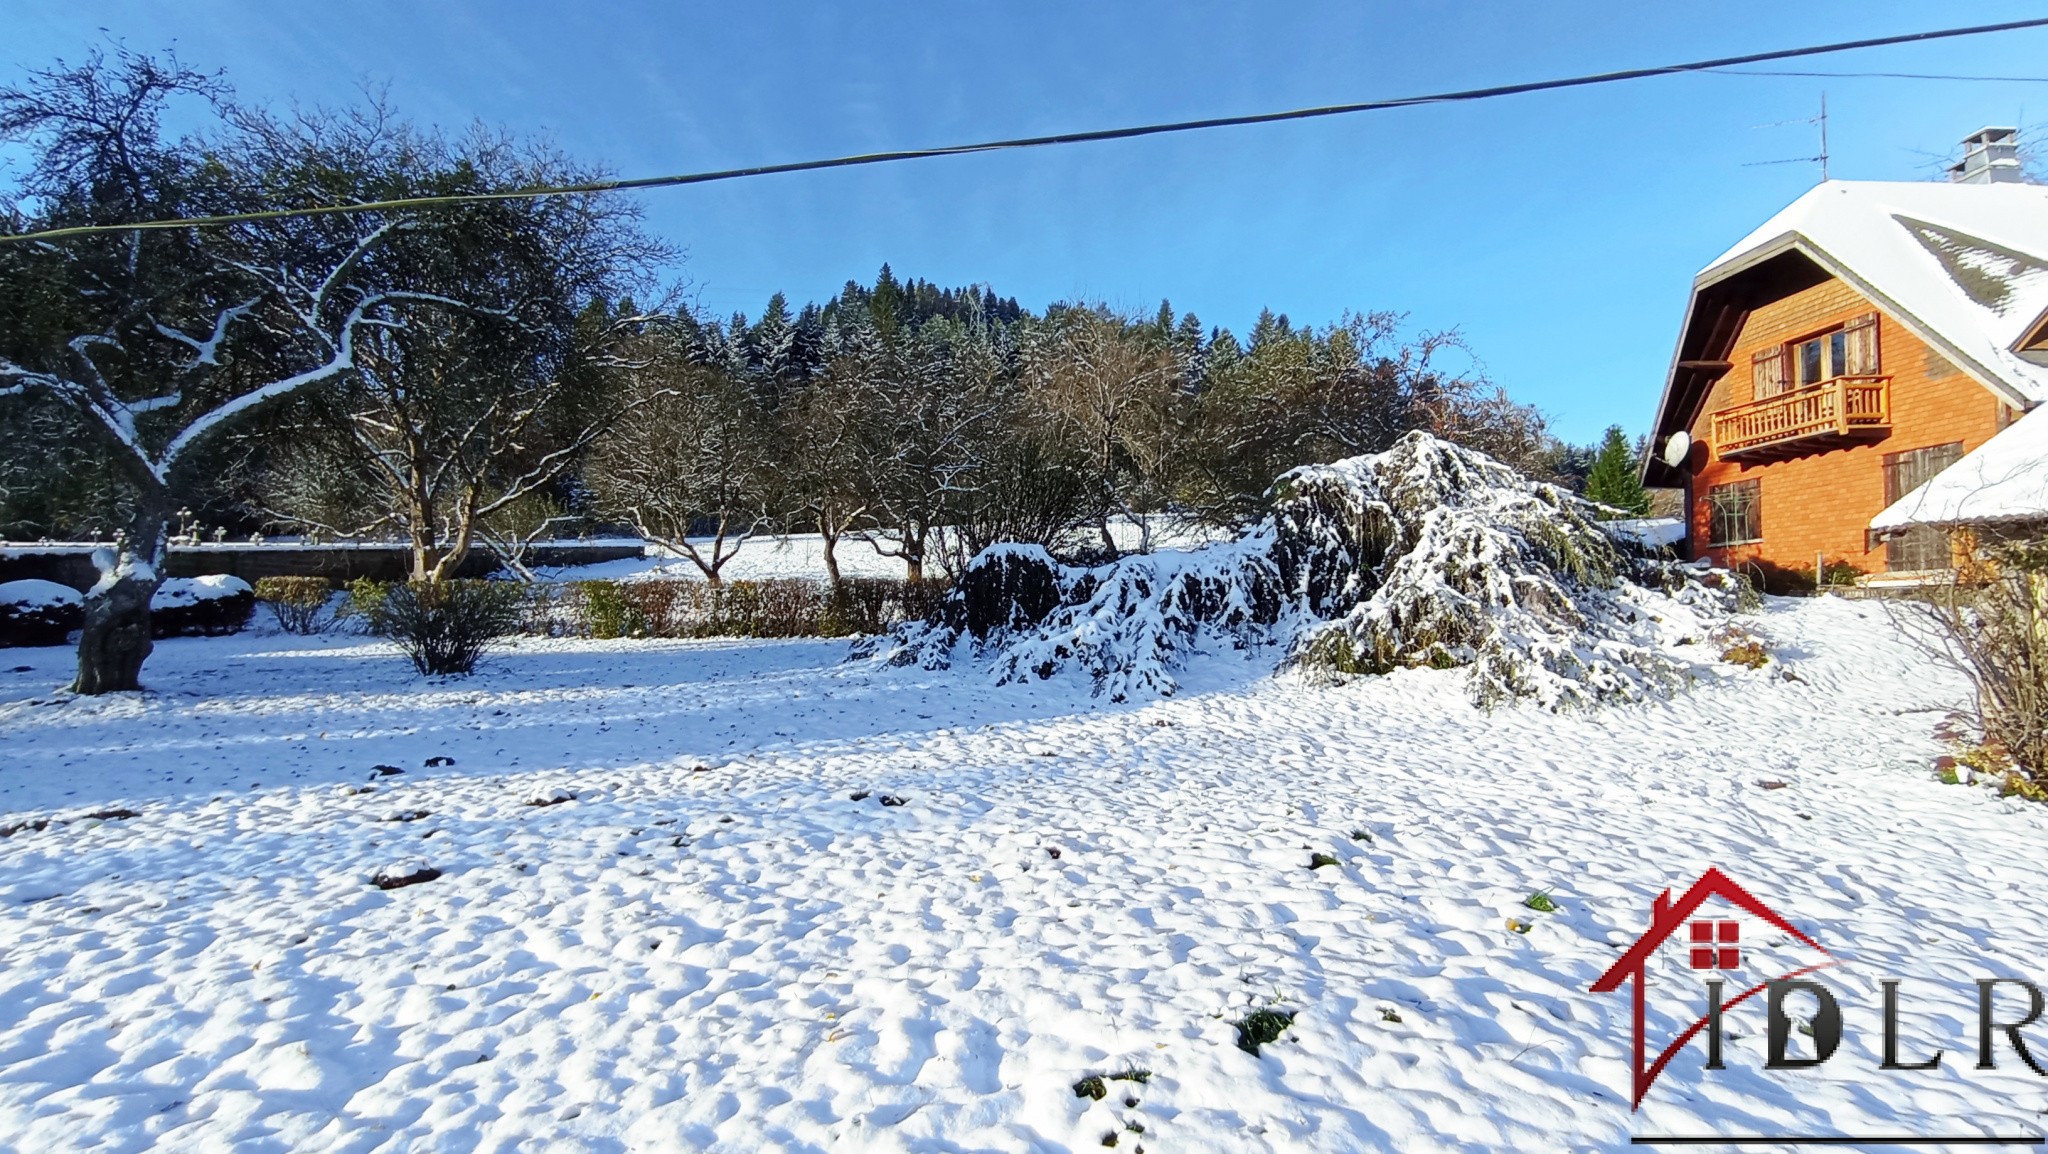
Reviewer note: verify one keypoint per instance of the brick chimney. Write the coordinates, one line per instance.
(1990, 156)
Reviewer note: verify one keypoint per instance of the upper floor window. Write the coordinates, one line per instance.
(1848, 351)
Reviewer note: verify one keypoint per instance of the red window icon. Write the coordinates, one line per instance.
(1713, 945)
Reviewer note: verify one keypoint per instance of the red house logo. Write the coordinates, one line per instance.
(1707, 944)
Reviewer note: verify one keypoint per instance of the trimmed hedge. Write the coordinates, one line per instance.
(38, 613)
(201, 606)
(779, 607)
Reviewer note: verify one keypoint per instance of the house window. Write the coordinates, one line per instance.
(1922, 546)
(1814, 360)
(1849, 351)
(1736, 514)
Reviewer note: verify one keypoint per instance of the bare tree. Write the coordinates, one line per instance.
(1990, 623)
(691, 463)
(157, 341)
(825, 427)
(512, 531)
(451, 424)
(939, 396)
(1111, 387)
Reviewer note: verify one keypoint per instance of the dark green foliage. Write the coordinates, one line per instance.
(1541, 902)
(206, 617)
(445, 626)
(38, 623)
(1317, 861)
(1613, 481)
(1262, 1026)
(1091, 1087)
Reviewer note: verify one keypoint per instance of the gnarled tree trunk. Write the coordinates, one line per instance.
(116, 637)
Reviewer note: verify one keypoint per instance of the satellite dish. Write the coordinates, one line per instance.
(1676, 447)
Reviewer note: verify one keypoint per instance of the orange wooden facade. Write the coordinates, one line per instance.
(1817, 452)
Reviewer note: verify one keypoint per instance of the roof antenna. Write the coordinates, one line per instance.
(1821, 159)
(1823, 136)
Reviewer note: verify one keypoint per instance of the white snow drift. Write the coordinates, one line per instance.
(662, 923)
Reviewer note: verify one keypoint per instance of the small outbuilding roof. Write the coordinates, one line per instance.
(2005, 480)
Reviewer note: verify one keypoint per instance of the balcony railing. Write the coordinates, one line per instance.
(1831, 414)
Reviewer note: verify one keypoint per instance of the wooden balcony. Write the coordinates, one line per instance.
(1833, 414)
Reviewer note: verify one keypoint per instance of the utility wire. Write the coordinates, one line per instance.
(1880, 75)
(1128, 133)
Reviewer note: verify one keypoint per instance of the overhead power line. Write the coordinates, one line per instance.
(1881, 75)
(1127, 133)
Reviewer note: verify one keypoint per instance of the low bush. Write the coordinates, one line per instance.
(1991, 624)
(298, 603)
(444, 626)
(364, 604)
(38, 613)
(201, 606)
(607, 612)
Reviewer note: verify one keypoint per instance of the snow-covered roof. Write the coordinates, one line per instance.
(1965, 265)
(1649, 532)
(2006, 479)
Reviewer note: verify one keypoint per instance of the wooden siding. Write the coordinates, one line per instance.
(1821, 502)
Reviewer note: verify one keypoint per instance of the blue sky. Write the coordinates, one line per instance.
(1558, 231)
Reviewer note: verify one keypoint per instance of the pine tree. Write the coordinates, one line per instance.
(1613, 481)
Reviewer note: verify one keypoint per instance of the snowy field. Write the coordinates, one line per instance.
(703, 942)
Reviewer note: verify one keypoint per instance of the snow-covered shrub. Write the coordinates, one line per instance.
(298, 603)
(201, 606)
(1130, 624)
(38, 612)
(1425, 555)
(444, 626)
(1433, 555)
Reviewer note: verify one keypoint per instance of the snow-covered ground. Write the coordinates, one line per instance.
(704, 942)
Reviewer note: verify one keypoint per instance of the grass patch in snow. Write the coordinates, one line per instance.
(1317, 861)
(1091, 1087)
(1541, 902)
(1261, 1027)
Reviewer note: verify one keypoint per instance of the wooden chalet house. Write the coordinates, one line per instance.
(1857, 344)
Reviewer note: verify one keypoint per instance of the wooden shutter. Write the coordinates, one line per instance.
(1862, 359)
(1767, 372)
